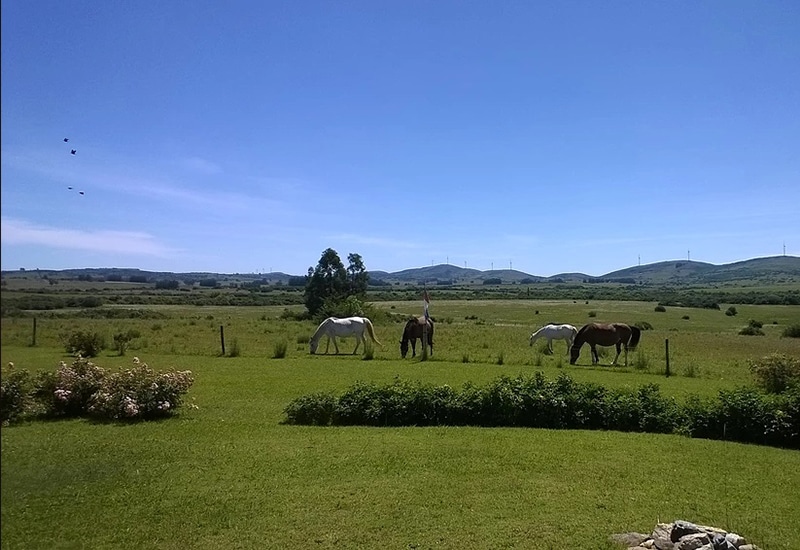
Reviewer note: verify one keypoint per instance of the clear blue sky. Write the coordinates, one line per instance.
(547, 136)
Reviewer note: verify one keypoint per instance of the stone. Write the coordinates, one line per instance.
(692, 541)
(661, 536)
(682, 528)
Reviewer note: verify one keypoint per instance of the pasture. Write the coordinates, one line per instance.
(229, 474)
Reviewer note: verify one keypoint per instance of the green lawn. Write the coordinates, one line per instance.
(230, 475)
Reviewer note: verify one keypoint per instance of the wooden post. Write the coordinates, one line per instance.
(33, 342)
(222, 338)
(666, 351)
(425, 341)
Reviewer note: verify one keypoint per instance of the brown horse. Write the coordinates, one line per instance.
(599, 334)
(413, 330)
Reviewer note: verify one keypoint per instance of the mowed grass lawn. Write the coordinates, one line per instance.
(229, 475)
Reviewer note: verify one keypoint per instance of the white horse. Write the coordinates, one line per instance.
(555, 332)
(350, 326)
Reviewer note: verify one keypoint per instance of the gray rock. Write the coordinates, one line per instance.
(692, 541)
(682, 528)
(661, 536)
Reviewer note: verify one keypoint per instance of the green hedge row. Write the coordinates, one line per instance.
(744, 414)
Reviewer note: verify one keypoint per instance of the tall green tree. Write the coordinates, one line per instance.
(329, 285)
(326, 282)
(357, 276)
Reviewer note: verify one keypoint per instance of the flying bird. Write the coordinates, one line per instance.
(66, 140)
(81, 192)
(70, 188)
(73, 151)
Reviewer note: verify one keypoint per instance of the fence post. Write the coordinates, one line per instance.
(425, 341)
(222, 338)
(666, 350)
(33, 342)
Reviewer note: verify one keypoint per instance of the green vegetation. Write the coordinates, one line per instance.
(743, 414)
(231, 474)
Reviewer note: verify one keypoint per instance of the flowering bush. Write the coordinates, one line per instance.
(14, 391)
(83, 388)
(140, 393)
(66, 391)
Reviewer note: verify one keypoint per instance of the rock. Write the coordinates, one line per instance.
(735, 540)
(682, 528)
(661, 536)
(719, 542)
(692, 541)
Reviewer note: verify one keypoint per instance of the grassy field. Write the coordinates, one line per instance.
(229, 474)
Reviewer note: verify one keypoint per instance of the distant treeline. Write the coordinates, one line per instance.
(16, 302)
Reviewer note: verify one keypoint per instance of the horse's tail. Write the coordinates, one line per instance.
(371, 331)
(636, 333)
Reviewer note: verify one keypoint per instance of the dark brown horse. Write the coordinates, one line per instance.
(599, 334)
(413, 330)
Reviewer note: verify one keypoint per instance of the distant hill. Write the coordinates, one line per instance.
(770, 270)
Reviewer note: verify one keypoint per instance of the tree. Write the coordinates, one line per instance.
(330, 288)
(357, 276)
(326, 282)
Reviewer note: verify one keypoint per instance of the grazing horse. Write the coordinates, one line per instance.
(598, 334)
(414, 329)
(349, 326)
(555, 332)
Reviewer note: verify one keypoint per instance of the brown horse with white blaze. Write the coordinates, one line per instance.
(605, 334)
(414, 329)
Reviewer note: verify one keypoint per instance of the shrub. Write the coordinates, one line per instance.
(751, 331)
(776, 372)
(279, 349)
(792, 331)
(140, 393)
(744, 414)
(66, 392)
(369, 352)
(592, 313)
(755, 324)
(122, 340)
(685, 317)
(85, 389)
(235, 350)
(643, 325)
(661, 309)
(731, 311)
(83, 343)
(14, 389)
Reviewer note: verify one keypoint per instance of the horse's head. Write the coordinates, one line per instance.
(574, 352)
(404, 347)
(312, 346)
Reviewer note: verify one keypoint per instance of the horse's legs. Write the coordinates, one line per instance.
(619, 348)
(550, 345)
(335, 344)
(358, 343)
(413, 347)
(595, 357)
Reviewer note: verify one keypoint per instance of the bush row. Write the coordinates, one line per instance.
(745, 414)
(84, 389)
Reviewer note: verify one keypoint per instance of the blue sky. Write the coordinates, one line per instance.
(247, 137)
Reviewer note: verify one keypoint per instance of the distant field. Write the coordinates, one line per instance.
(229, 474)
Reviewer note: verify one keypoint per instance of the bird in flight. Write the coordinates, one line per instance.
(66, 140)
(81, 192)
(73, 151)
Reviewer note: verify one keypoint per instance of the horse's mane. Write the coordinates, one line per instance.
(581, 336)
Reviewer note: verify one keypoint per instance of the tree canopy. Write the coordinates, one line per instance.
(330, 284)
